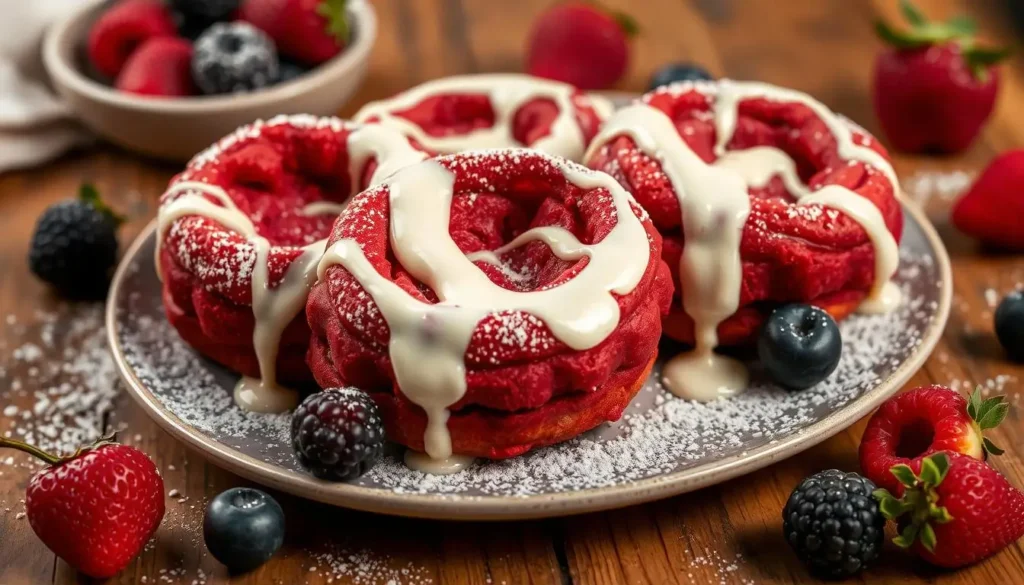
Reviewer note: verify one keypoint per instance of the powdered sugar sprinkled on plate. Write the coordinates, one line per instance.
(658, 435)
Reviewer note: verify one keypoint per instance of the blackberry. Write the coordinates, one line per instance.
(338, 433)
(234, 57)
(834, 524)
(74, 246)
(209, 11)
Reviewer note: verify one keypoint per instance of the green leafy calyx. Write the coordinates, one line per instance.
(922, 32)
(987, 413)
(336, 14)
(919, 505)
(88, 194)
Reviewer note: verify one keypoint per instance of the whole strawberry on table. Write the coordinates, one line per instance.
(182, 48)
(934, 86)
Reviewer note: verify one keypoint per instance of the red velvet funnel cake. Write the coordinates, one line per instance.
(553, 341)
(493, 111)
(241, 218)
(817, 186)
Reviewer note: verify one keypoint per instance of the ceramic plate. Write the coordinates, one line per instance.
(663, 446)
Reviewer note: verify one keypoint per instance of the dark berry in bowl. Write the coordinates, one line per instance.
(1010, 325)
(234, 57)
(209, 11)
(799, 346)
(290, 71)
(833, 523)
(674, 72)
(74, 246)
(243, 528)
(338, 433)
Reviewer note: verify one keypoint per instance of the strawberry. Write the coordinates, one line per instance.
(580, 44)
(934, 87)
(97, 508)
(991, 210)
(924, 421)
(160, 67)
(956, 510)
(307, 31)
(122, 28)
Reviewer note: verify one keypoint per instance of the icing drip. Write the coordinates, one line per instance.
(714, 204)
(427, 464)
(507, 93)
(274, 308)
(428, 341)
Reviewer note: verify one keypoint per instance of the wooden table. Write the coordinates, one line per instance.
(726, 534)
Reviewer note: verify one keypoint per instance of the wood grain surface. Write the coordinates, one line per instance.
(726, 534)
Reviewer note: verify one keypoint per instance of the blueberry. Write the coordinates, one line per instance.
(243, 528)
(1010, 325)
(799, 346)
(678, 72)
(234, 57)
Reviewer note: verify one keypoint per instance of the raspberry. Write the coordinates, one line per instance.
(233, 58)
(338, 433)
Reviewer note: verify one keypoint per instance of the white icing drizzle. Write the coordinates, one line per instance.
(714, 204)
(427, 464)
(508, 93)
(274, 308)
(428, 341)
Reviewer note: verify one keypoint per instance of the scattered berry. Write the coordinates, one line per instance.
(1010, 325)
(234, 57)
(991, 209)
(161, 67)
(243, 528)
(956, 510)
(122, 28)
(308, 31)
(97, 508)
(338, 433)
(210, 11)
(924, 421)
(934, 87)
(74, 246)
(580, 44)
(674, 72)
(834, 524)
(799, 346)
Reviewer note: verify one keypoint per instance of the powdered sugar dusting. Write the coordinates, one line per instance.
(659, 434)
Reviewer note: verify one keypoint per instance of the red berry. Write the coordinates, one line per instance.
(97, 510)
(160, 67)
(934, 88)
(924, 421)
(307, 31)
(123, 28)
(991, 210)
(579, 44)
(957, 510)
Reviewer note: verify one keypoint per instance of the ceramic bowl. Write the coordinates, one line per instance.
(177, 128)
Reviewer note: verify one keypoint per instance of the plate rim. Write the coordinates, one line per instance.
(508, 507)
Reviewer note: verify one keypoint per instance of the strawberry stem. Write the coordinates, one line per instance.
(30, 449)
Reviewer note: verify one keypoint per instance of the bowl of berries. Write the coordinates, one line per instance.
(166, 77)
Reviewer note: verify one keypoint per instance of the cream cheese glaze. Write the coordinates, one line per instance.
(275, 307)
(507, 93)
(714, 203)
(428, 342)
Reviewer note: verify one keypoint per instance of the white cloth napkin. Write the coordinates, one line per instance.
(35, 126)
